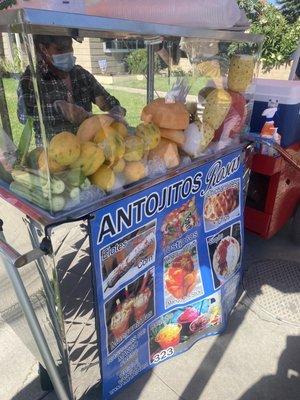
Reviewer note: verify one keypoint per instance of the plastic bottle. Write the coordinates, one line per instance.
(268, 129)
(277, 140)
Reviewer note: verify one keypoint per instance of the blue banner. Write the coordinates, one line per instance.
(167, 264)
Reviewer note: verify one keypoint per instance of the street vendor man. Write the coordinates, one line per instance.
(67, 91)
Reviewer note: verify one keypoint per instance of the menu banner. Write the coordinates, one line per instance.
(167, 266)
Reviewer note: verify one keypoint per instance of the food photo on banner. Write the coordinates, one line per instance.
(124, 259)
(182, 277)
(129, 309)
(225, 251)
(167, 267)
(222, 204)
(176, 331)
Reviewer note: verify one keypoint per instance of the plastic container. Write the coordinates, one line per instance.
(286, 96)
(192, 13)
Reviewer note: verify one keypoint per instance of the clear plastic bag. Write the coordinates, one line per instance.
(179, 91)
(8, 151)
(191, 13)
(71, 112)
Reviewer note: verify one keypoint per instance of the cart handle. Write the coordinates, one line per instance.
(11, 255)
(20, 260)
(16, 259)
(285, 155)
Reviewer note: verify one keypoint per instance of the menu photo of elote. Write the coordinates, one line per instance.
(179, 329)
(182, 276)
(221, 204)
(124, 259)
(179, 221)
(129, 309)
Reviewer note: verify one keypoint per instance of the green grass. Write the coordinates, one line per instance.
(133, 102)
(162, 83)
(10, 88)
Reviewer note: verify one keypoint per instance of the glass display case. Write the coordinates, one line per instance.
(81, 125)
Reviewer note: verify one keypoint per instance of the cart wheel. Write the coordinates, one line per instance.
(45, 381)
(296, 227)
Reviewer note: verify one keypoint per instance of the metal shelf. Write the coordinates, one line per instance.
(58, 23)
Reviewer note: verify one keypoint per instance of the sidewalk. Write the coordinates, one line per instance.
(257, 358)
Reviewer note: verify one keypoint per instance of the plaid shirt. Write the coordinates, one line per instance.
(85, 90)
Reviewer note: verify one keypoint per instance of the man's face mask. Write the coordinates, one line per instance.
(64, 62)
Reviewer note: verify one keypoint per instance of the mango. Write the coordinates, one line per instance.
(64, 148)
(104, 178)
(91, 158)
(134, 171)
(45, 162)
(134, 148)
(120, 128)
(89, 128)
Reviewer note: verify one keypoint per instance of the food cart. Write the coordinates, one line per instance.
(118, 270)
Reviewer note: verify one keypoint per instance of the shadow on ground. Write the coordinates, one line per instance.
(287, 378)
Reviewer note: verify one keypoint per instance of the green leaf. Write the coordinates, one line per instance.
(7, 3)
(25, 140)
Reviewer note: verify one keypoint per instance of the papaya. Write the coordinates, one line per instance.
(64, 148)
(120, 128)
(91, 158)
(89, 128)
(134, 171)
(45, 162)
(150, 135)
(134, 148)
(104, 178)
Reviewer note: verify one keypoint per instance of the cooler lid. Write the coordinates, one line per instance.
(285, 92)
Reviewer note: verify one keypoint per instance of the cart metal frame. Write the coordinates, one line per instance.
(69, 237)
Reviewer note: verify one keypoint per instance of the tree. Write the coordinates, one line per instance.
(253, 8)
(290, 9)
(281, 37)
(7, 3)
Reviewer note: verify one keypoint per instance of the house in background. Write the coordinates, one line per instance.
(105, 59)
(96, 55)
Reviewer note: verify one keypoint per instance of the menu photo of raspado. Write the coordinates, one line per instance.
(177, 330)
(225, 250)
(222, 204)
(129, 309)
(124, 259)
